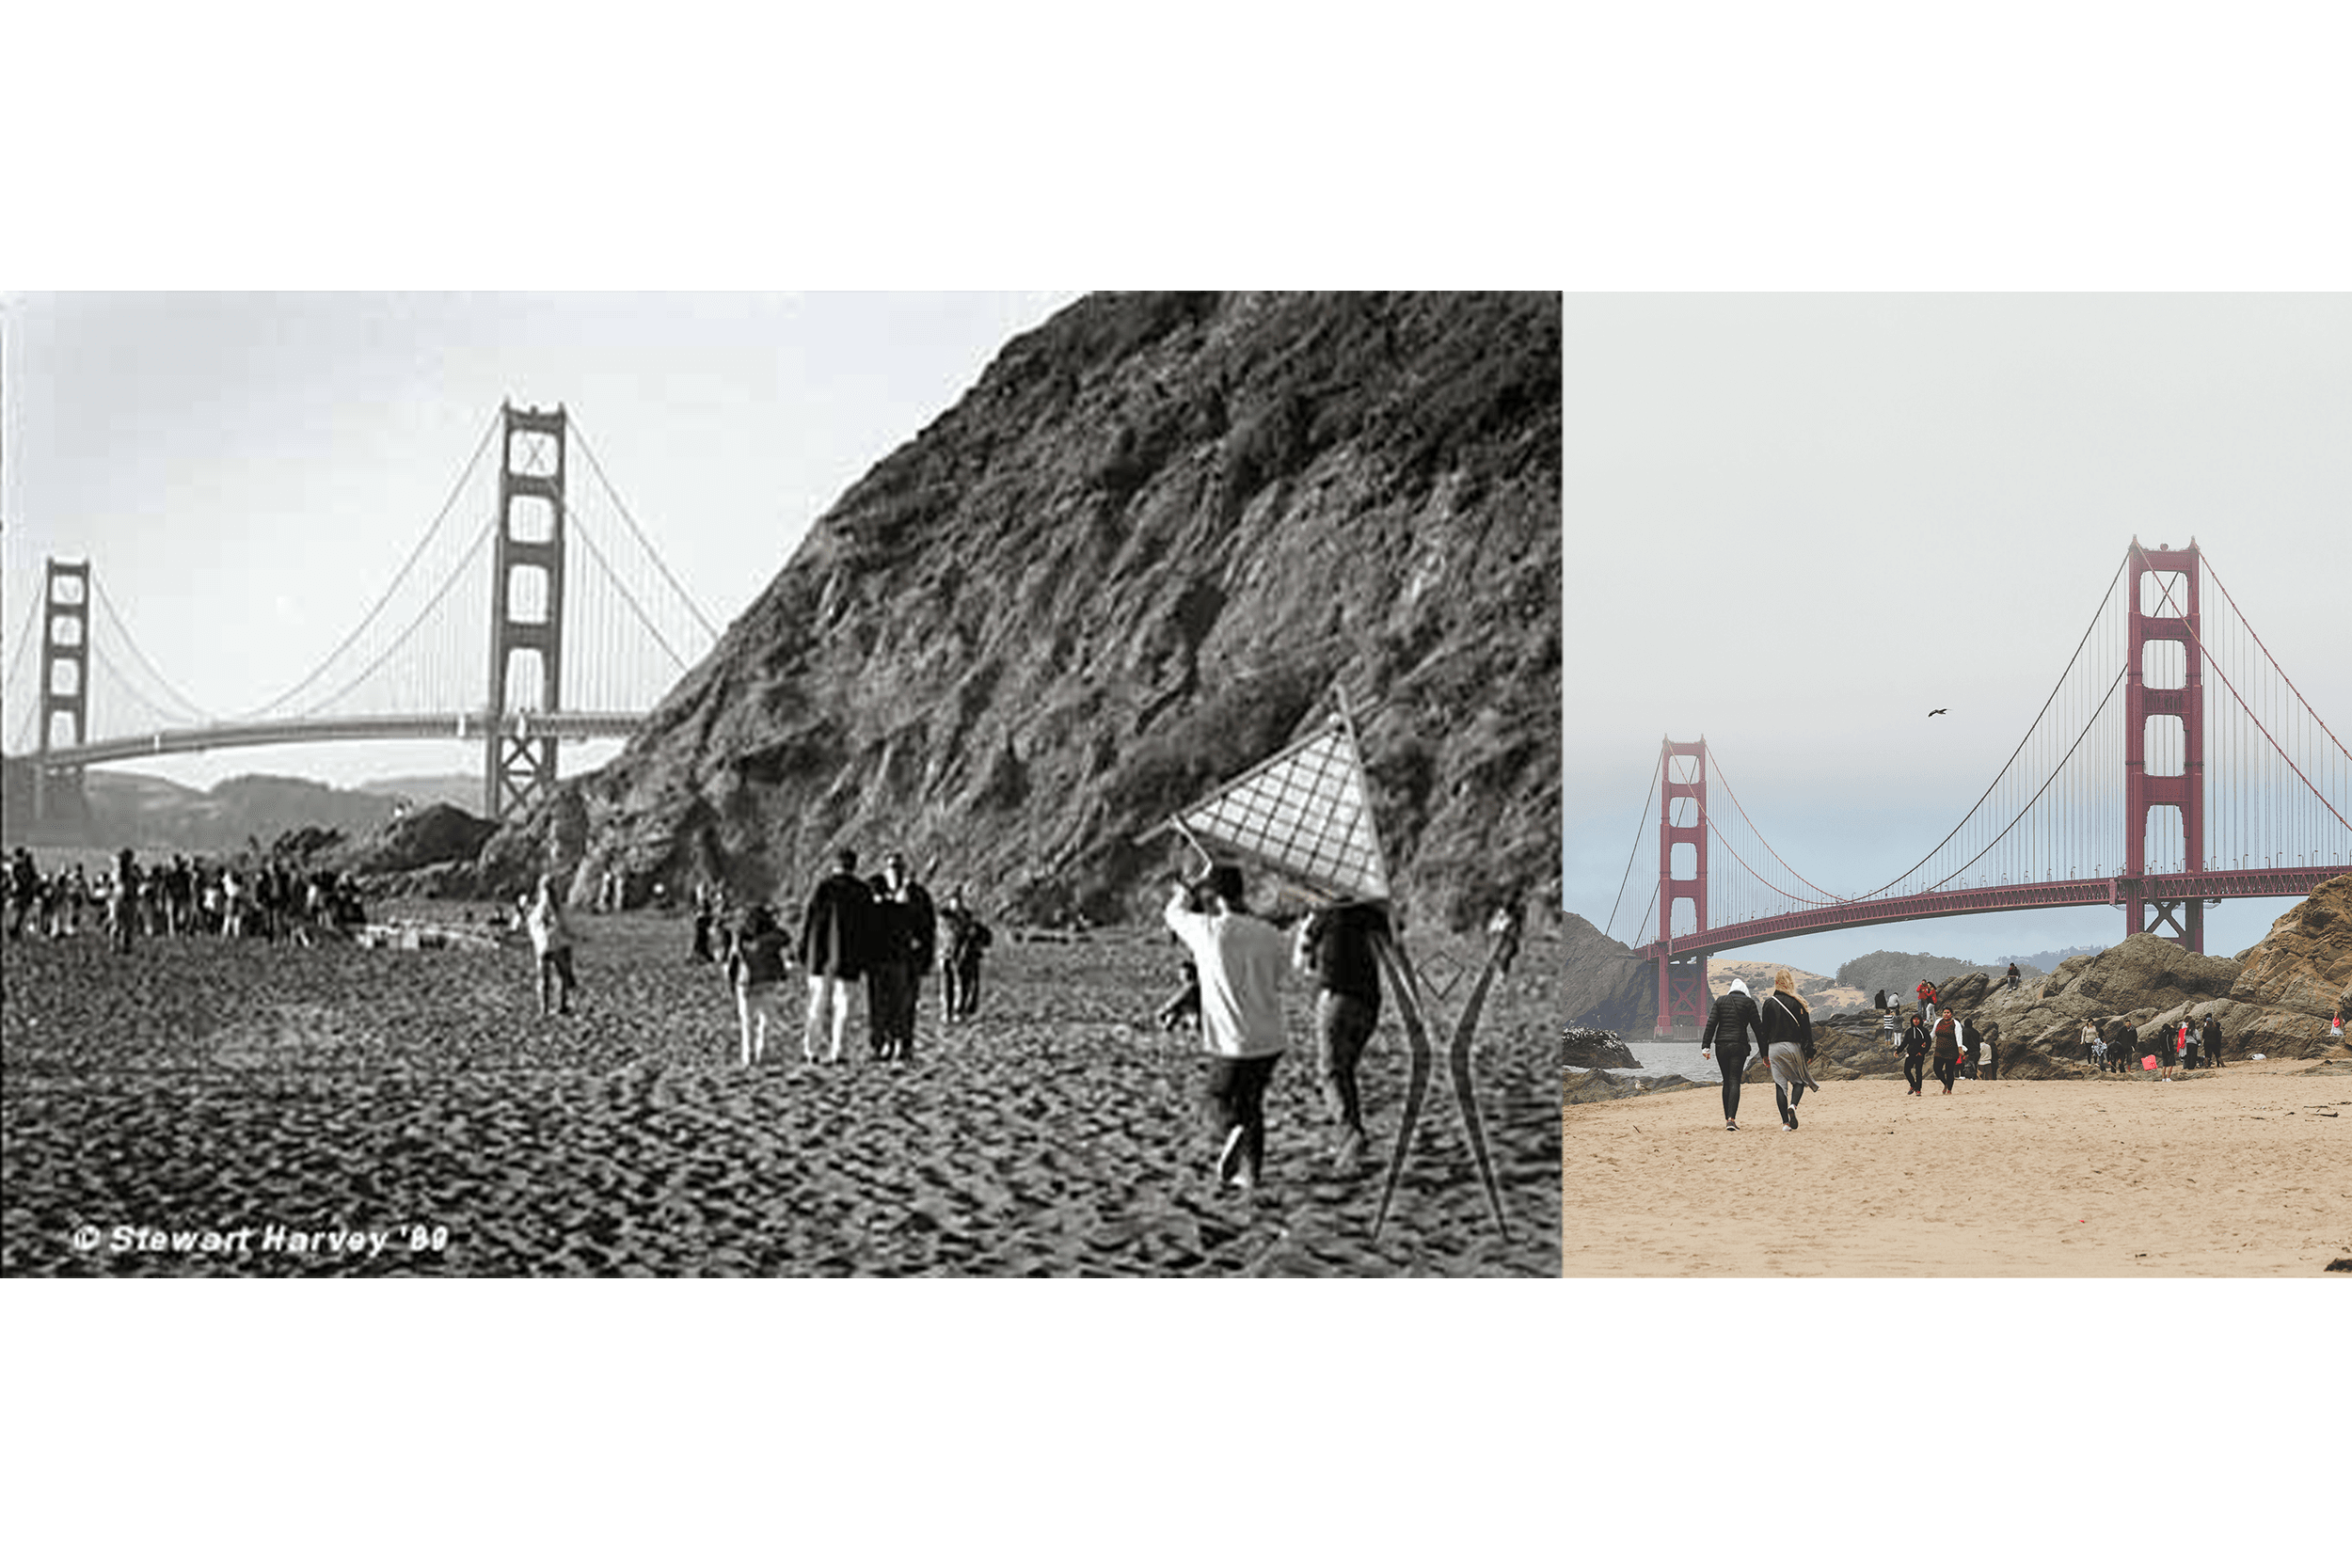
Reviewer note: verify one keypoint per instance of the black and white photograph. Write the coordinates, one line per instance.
(868, 785)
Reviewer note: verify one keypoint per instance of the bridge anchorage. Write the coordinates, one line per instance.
(2231, 787)
(609, 622)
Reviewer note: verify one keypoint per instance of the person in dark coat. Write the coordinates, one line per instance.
(905, 942)
(1335, 945)
(962, 938)
(2210, 1038)
(1917, 1040)
(836, 946)
(1733, 1019)
(1948, 1049)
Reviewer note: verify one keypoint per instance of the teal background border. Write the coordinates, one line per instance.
(2075, 146)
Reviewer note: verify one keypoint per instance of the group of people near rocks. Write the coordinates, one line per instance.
(252, 897)
(1954, 1045)
(2116, 1045)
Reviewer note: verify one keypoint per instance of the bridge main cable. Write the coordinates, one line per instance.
(285, 698)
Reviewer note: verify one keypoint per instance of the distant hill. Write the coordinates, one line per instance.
(2043, 964)
(1900, 971)
(150, 814)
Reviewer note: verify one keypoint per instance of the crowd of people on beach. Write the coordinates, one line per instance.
(879, 936)
(1934, 1040)
(253, 896)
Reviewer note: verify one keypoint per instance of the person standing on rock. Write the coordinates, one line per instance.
(1786, 1034)
(1241, 961)
(1335, 945)
(2014, 978)
(837, 939)
(2093, 1046)
(1948, 1049)
(552, 943)
(1732, 1020)
(1918, 1041)
(756, 967)
(961, 938)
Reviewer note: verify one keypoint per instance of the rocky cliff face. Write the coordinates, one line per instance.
(1136, 557)
(1607, 987)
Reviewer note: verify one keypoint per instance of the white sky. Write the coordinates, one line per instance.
(246, 472)
(1797, 523)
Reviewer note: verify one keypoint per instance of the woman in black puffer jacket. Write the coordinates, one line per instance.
(1787, 1040)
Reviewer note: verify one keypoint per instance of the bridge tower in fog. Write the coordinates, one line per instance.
(1682, 980)
(2182, 920)
(64, 689)
(526, 607)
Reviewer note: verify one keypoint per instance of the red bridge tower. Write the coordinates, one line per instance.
(2180, 920)
(1681, 981)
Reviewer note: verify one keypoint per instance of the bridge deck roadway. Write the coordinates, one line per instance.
(383, 726)
(2279, 882)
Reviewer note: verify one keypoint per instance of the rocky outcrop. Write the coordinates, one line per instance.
(1136, 557)
(1608, 987)
(2304, 964)
(1593, 1048)
(1585, 1088)
(2273, 1000)
(437, 834)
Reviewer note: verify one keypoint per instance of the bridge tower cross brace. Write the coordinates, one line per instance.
(64, 687)
(518, 768)
(2180, 920)
(1682, 998)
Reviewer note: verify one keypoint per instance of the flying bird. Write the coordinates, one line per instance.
(1933, 711)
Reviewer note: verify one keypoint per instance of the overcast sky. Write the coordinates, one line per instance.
(1758, 487)
(246, 472)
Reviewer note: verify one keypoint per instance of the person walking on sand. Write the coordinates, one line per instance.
(836, 946)
(1918, 1041)
(1336, 946)
(963, 937)
(551, 942)
(1241, 961)
(1948, 1049)
(755, 966)
(906, 943)
(1732, 1019)
(2212, 1039)
(1787, 1035)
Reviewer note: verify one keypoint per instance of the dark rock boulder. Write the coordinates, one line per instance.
(1593, 1048)
(431, 836)
(1585, 1088)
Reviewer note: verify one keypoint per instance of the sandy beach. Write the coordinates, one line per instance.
(201, 1085)
(2242, 1172)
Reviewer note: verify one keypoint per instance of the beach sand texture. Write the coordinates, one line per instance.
(207, 1085)
(2244, 1171)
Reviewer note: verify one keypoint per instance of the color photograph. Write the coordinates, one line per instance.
(1972, 734)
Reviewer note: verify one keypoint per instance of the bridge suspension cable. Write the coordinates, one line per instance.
(285, 699)
(596, 467)
(1641, 829)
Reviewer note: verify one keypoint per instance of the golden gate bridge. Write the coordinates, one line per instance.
(2172, 765)
(586, 628)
